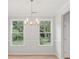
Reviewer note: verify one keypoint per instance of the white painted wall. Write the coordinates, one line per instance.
(58, 37)
(59, 30)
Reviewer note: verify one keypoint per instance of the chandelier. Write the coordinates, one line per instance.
(31, 22)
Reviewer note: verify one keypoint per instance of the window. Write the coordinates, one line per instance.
(17, 33)
(45, 32)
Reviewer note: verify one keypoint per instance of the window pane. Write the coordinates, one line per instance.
(17, 38)
(48, 37)
(47, 26)
(42, 36)
(45, 38)
(42, 26)
(17, 26)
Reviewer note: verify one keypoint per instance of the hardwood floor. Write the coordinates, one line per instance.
(32, 57)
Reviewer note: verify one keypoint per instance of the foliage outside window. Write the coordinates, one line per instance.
(45, 32)
(17, 32)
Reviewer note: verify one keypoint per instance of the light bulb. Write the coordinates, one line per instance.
(37, 21)
(31, 23)
(26, 21)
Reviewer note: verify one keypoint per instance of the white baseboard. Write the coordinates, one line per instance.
(31, 54)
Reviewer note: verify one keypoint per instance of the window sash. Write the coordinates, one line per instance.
(17, 32)
(46, 33)
(44, 26)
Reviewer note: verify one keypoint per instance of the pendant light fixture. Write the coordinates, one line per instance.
(31, 22)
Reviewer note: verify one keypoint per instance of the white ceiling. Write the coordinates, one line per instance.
(22, 8)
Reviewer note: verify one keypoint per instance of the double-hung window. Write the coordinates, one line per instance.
(45, 32)
(17, 33)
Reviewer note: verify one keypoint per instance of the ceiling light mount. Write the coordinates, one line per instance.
(31, 0)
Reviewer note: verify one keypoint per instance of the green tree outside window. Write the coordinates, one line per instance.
(17, 32)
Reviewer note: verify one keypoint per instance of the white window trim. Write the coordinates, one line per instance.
(12, 32)
(52, 23)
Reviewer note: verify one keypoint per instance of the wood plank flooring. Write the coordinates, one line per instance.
(32, 57)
